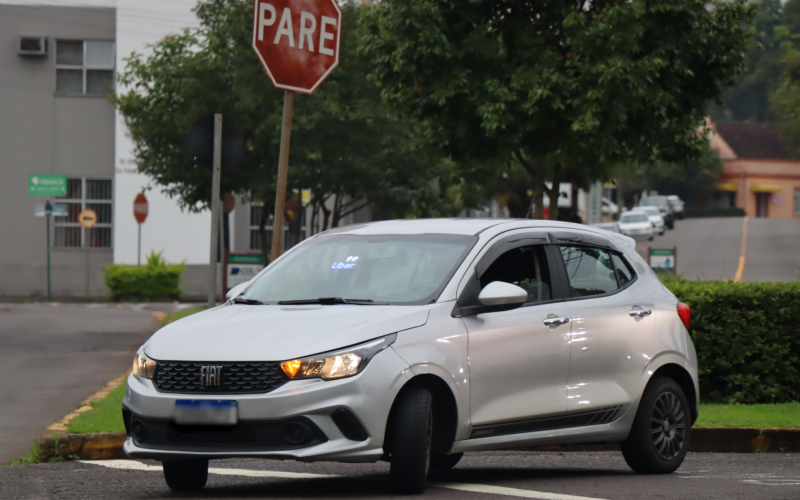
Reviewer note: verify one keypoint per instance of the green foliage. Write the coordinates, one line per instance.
(153, 281)
(747, 339)
(785, 101)
(33, 456)
(763, 416)
(693, 213)
(105, 415)
(558, 84)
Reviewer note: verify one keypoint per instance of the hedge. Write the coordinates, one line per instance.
(694, 213)
(154, 281)
(747, 337)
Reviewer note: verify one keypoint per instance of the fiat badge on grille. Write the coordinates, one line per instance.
(210, 375)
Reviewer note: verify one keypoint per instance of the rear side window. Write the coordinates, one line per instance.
(622, 270)
(590, 271)
(525, 267)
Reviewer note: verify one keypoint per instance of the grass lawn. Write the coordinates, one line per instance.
(176, 315)
(105, 416)
(778, 415)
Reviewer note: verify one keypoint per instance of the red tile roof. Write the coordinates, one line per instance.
(755, 140)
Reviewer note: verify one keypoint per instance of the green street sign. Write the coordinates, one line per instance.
(662, 252)
(47, 185)
(254, 259)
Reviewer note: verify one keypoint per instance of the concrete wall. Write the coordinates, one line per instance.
(42, 133)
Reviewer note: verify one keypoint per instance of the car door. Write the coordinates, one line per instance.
(518, 359)
(612, 329)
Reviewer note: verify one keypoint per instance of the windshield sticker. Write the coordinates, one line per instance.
(348, 263)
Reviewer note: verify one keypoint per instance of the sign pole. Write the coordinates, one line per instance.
(88, 269)
(47, 212)
(139, 254)
(215, 180)
(283, 171)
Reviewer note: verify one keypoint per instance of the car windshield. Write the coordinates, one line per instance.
(648, 210)
(654, 201)
(629, 217)
(374, 269)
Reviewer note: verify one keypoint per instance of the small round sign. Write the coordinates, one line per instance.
(87, 218)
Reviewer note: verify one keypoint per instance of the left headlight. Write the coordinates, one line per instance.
(143, 366)
(337, 364)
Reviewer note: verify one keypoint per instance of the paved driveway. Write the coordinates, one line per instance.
(54, 357)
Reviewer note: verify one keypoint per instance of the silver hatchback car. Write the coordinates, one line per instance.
(414, 341)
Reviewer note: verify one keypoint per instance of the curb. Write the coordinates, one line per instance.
(712, 440)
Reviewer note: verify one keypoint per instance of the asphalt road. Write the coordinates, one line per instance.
(486, 475)
(55, 356)
(710, 248)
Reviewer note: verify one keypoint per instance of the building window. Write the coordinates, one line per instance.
(797, 201)
(82, 194)
(288, 237)
(84, 67)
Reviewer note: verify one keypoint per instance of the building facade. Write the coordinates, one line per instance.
(762, 175)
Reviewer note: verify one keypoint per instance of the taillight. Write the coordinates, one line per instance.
(685, 313)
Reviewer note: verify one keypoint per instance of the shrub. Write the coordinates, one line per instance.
(693, 213)
(747, 337)
(153, 281)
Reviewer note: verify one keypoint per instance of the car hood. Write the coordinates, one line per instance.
(275, 333)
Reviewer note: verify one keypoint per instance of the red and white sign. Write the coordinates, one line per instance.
(297, 41)
(140, 208)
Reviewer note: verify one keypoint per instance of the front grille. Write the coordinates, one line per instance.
(248, 435)
(235, 378)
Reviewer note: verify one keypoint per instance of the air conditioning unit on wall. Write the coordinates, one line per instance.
(35, 46)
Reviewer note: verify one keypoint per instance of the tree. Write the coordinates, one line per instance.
(347, 147)
(549, 84)
(785, 101)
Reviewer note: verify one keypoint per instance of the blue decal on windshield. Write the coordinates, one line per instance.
(349, 263)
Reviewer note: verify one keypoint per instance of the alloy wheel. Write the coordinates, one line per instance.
(668, 426)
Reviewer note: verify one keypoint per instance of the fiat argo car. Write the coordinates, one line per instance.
(416, 341)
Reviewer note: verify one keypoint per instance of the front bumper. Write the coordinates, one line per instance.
(368, 397)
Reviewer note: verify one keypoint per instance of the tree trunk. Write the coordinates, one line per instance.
(537, 174)
(337, 210)
(326, 214)
(554, 192)
(266, 247)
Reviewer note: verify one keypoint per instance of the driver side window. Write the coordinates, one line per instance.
(525, 267)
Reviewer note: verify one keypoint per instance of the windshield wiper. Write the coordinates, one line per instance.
(252, 302)
(325, 301)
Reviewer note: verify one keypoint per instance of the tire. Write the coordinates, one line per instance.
(445, 462)
(186, 475)
(412, 432)
(651, 238)
(671, 225)
(658, 445)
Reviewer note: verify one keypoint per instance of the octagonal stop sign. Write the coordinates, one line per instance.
(297, 41)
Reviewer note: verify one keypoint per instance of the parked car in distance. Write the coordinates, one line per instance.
(636, 224)
(655, 217)
(663, 206)
(677, 205)
(608, 226)
(610, 209)
(415, 341)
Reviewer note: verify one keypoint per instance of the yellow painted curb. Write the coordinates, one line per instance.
(159, 315)
(61, 425)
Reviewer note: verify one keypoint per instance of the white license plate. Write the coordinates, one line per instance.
(206, 412)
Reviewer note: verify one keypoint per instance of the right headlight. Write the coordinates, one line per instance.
(337, 364)
(143, 366)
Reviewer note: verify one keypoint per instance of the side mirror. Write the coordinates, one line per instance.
(498, 293)
(236, 291)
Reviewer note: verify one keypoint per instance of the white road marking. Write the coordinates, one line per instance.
(511, 492)
(473, 488)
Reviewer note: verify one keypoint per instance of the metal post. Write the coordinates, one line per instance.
(215, 179)
(88, 269)
(139, 255)
(283, 171)
(47, 211)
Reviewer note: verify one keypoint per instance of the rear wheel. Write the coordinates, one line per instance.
(445, 462)
(659, 438)
(186, 475)
(412, 432)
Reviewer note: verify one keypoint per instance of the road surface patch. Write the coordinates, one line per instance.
(472, 488)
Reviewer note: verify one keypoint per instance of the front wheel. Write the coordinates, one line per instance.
(186, 475)
(445, 462)
(412, 433)
(659, 437)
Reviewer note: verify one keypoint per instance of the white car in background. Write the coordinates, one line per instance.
(636, 224)
(655, 218)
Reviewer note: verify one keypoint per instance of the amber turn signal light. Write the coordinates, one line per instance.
(291, 367)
